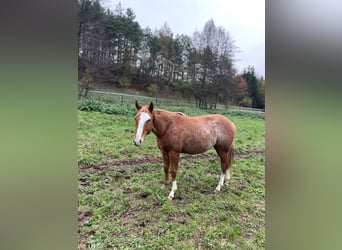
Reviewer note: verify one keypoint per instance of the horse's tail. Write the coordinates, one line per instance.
(231, 156)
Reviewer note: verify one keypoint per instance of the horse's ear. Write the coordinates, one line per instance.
(151, 107)
(137, 105)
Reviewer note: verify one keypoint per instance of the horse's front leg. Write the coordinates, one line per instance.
(174, 159)
(166, 160)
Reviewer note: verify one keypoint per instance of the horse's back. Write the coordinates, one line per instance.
(194, 134)
(218, 121)
(213, 122)
(208, 131)
(225, 130)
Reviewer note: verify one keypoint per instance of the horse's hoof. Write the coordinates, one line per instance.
(170, 197)
(217, 191)
(162, 187)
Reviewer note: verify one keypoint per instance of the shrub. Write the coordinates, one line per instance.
(89, 105)
(124, 82)
(246, 102)
(153, 89)
(245, 114)
(102, 107)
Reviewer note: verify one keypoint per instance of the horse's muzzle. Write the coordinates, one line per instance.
(137, 143)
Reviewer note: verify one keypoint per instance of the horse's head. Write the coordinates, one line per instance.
(143, 122)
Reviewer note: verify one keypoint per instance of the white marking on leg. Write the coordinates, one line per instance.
(144, 117)
(218, 188)
(227, 176)
(173, 190)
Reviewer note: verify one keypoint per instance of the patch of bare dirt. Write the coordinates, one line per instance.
(128, 217)
(83, 236)
(156, 160)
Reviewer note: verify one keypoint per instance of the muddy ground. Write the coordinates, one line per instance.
(130, 214)
(156, 160)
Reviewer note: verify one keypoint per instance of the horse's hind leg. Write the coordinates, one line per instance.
(224, 167)
(230, 162)
(226, 159)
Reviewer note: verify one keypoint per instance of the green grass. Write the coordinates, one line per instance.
(121, 204)
(103, 137)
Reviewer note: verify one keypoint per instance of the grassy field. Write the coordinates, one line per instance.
(121, 204)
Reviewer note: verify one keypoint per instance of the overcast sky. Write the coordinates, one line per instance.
(244, 19)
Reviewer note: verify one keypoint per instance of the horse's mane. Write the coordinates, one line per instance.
(176, 112)
(180, 113)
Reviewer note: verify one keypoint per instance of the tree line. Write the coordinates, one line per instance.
(114, 49)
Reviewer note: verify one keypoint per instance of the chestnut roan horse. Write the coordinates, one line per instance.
(177, 133)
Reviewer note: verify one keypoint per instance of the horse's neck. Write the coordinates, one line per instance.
(161, 122)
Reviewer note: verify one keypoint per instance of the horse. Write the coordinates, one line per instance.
(178, 133)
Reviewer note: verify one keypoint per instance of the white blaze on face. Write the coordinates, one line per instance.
(144, 117)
